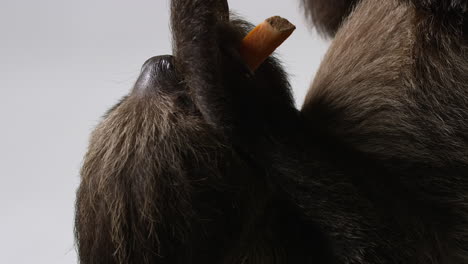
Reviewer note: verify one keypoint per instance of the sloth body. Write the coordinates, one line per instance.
(205, 162)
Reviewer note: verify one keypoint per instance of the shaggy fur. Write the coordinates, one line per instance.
(393, 90)
(207, 162)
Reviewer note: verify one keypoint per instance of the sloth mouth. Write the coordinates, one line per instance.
(157, 73)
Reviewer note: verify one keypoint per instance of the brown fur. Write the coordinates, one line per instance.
(198, 165)
(392, 88)
(367, 90)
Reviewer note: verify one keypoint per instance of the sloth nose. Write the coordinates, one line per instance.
(158, 63)
(157, 73)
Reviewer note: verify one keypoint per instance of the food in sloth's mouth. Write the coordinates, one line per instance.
(263, 40)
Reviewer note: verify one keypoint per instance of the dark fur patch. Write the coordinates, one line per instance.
(328, 15)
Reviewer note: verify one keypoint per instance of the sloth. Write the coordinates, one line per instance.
(205, 161)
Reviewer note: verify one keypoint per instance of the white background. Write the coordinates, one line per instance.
(62, 64)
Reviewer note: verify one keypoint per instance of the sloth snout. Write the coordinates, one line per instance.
(158, 63)
(157, 74)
